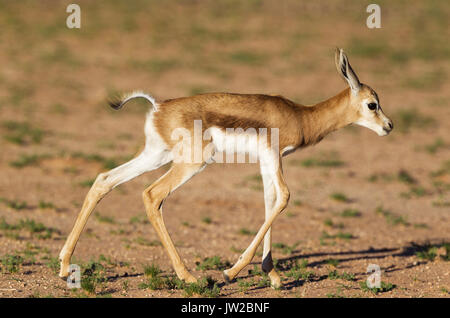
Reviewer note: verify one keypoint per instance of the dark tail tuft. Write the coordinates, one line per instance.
(115, 103)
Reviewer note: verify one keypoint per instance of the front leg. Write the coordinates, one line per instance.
(269, 202)
(273, 168)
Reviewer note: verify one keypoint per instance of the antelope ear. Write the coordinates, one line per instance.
(345, 70)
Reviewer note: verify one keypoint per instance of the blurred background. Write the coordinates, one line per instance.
(353, 194)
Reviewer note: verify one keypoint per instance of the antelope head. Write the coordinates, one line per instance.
(364, 100)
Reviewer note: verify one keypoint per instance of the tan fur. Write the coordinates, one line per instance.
(299, 126)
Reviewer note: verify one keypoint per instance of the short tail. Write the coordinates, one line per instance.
(119, 102)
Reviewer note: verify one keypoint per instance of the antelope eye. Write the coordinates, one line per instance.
(372, 106)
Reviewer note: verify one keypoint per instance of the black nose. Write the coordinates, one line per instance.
(391, 125)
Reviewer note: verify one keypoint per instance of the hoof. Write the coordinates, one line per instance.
(190, 279)
(64, 271)
(226, 277)
(275, 280)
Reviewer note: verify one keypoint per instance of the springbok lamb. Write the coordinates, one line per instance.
(294, 126)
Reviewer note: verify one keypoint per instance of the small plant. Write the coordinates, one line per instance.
(139, 219)
(86, 183)
(143, 241)
(391, 218)
(414, 192)
(22, 133)
(384, 287)
(104, 219)
(328, 222)
(315, 162)
(206, 287)
(340, 197)
(345, 276)
(46, 205)
(298, 271)
(28, 160)
(435, 146)
(244, 285)
(428, 253)
(152, 270)
(286, 249)
(350, 213)
(340, 235)
(245, 231)
(15, 204)
(212, 263)
(333, 262)
(37, 228)
(11, 263)
(206, 220)
(405, 177)
(53, 264)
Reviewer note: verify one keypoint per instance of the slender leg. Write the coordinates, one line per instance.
(269, 200)
(282, 197)
(154, 197)
(103, 184)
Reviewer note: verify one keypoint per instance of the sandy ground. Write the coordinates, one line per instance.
(367, 200)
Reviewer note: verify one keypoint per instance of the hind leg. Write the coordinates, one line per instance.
(154, 197)
(103, 184)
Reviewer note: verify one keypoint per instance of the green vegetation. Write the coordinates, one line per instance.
(14, 204)
(430, 252)
(11, 263)
(434, 147)
(285, 249)
(297, 271)
(143, 241)
(206, 287)
(391, 218)
(429, 80)
(345, 276)
(333, 262)
(245, 231)
(46, 205)
(36, 229)
(385, 287)
(407, 119)
(250, 58)
(28, 160)
(317, 162)
(405, 177)
(414, 192)
(340, 197)
(22, 133)
(212, 263)
(340, 235)
(93, 276)
(350, 213)
(141, 219)
(207, 220)
(104, 219)
(107, 163)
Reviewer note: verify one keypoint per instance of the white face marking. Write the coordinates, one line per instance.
(368, 118)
